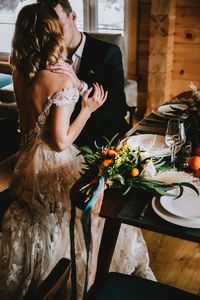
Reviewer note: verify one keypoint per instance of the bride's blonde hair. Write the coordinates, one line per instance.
(38, 40)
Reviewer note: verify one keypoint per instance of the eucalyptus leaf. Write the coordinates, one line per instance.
(126, 191)
(190, 185)
(86, 149)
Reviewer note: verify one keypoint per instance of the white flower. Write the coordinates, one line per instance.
(195, 90)
(149, 169)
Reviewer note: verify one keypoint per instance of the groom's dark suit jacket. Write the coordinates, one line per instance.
(102, 62)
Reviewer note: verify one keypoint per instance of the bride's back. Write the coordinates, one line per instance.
(32, 96)
(38, 43)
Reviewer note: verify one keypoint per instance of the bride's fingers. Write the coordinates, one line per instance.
(87, 92)
(105, 96)
(102, 93)
(96, 92)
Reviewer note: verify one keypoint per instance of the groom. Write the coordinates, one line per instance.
(91, 61)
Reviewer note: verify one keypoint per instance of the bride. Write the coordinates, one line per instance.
(35, 228)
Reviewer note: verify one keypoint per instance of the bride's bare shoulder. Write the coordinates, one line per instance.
(58, 81)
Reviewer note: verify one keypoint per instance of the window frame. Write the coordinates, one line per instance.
(90, 23)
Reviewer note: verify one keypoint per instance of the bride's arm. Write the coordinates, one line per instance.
(64, 133)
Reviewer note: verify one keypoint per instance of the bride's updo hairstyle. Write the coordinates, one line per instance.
(38, 40)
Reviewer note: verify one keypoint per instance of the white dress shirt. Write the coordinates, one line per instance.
(76, 61)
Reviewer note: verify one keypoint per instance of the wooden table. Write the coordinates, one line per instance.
(118, 209)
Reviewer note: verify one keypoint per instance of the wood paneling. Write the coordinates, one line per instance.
(132, 12)
(162, 28)
(187, 35)
(189, 3)
(186, 46)
(186, 70)
(187, 53)
(170, 44)
(179, 86)
(144, 9)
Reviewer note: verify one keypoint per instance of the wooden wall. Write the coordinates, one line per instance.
(186, 64)
(144, 10)
(168, 50)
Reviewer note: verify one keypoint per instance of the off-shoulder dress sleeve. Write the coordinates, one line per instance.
(67, 97)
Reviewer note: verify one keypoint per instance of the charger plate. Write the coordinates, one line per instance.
(187, 206)
(164, 214)
(153, 144)
(167, 111)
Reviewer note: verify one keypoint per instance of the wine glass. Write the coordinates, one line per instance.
(175, 137)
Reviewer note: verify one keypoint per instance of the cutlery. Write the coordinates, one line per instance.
(156, 120)
(152, 123)
(143, 211)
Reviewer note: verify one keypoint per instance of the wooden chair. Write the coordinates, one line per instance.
(118, 286)
(186, 95)
(54, 286)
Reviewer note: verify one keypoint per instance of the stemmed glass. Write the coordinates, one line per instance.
(175, 137)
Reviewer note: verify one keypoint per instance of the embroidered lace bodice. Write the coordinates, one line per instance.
(35, 228)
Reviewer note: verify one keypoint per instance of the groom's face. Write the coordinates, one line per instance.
(67, 23)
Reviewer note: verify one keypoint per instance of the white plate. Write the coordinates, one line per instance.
(168, 112)
(187, 206)
(161, 212)
(153, 144)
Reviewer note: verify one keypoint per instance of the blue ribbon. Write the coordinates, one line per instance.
(86, 224)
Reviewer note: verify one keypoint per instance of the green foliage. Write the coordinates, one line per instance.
(124, 168)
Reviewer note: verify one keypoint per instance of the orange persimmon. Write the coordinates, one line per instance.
(194, 163)
(135, 172)
(111, 153)
(106, 162)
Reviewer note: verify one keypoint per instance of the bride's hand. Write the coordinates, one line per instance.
(97, 99)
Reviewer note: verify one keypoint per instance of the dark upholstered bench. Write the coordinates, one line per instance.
(118, 286)
(5, 79)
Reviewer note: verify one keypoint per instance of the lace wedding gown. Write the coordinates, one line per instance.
(35, 228)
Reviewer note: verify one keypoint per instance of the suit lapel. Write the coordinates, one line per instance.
(85, 66)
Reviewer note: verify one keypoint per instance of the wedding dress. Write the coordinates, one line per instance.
(35, 228)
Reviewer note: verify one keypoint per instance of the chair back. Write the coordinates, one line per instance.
(186, 95)
(54, 286)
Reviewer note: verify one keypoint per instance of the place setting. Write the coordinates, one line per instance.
(153, 145)
(172, 110)
(182, 211)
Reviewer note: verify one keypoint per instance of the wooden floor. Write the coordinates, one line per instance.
(173, 261)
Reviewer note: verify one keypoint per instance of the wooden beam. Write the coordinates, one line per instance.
(162, 28)
(131, 23)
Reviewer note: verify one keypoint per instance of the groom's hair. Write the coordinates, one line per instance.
(52, 3)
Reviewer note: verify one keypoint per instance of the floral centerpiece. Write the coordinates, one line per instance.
(123, 168)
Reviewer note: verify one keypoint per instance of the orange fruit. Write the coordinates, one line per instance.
(111, 153)
(106, 162)
(135, 172)
(197, 150)
(194, 163)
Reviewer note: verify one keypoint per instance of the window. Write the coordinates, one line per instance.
(93, 15)
(8, 13)
(104, 15)
(110, 16)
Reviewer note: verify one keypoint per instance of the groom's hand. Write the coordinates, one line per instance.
(65, 68)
